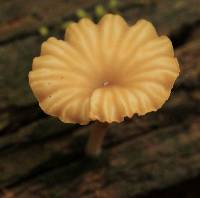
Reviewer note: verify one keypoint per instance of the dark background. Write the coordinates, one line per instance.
(157, 155)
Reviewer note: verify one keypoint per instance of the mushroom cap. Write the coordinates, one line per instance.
(105, 71)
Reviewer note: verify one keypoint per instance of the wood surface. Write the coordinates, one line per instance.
(142, 157)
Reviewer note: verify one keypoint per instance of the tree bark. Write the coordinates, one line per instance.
(42, 157)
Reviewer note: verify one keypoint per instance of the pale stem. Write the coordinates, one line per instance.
(97, 133)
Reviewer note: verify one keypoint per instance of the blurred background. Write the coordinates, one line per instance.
(157, 155)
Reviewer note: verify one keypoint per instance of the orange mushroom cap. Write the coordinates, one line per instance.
(105, 71)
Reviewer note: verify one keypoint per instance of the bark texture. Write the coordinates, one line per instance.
(145, 156)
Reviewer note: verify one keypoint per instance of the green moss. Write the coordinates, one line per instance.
(100, 10)
(44, 31)
(113, 4)
(81, 13)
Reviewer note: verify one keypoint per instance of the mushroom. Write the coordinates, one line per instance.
(103, 73)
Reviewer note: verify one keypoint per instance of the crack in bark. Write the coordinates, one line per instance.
(178, 190)
(182, 35)
(28, 143)
(18, 37)
(56, 161)
(18, 117)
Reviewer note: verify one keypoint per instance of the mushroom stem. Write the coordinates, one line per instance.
(97, 133)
